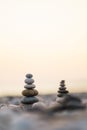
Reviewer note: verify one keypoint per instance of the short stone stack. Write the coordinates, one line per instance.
(29, 93)
(62, 90)
(67, 101)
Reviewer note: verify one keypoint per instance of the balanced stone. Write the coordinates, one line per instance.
(63, 91)
(28, 93)
(29, 75)
(60, 95)
(62, 83)
(62, 88)
(29, 81)
(29, 86)
(29, 100)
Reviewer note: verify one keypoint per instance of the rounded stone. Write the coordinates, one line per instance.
(63, 91)
(62, 88)
(29, 75)
(28, 93)
(62, 81)
(29, 81)
(60, 95)
(29, 100)
(35, 92)
(29, 86)
(61, 84)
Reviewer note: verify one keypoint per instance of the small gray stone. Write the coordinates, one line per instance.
(29, 86)
(29, 75)
(62, 88)
(29, 81)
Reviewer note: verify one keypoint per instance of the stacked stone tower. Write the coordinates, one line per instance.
(62, 90)
(67, 101)
(29, 93)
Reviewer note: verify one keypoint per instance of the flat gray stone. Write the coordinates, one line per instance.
(29, 86)
(62, 88)
(29, 81)
(29, 100)
(63, 91)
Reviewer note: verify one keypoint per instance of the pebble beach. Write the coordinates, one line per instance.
(14, 117)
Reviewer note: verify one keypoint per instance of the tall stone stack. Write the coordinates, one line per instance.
(62, 89)
(29, 93)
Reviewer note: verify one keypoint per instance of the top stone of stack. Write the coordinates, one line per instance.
(29, 75)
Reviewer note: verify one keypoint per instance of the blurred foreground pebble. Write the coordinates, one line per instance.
(12, 117)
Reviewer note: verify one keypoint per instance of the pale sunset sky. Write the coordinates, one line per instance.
(47, 38)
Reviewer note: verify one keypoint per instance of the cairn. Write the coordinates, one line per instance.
(67, 101)
(62, 90)
(29, 93)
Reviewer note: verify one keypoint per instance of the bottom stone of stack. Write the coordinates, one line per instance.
(29, 100)
(61, 95)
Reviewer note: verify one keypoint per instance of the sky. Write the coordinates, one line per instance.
(47, 38)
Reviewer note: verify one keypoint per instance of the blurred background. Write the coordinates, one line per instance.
(47, 38)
